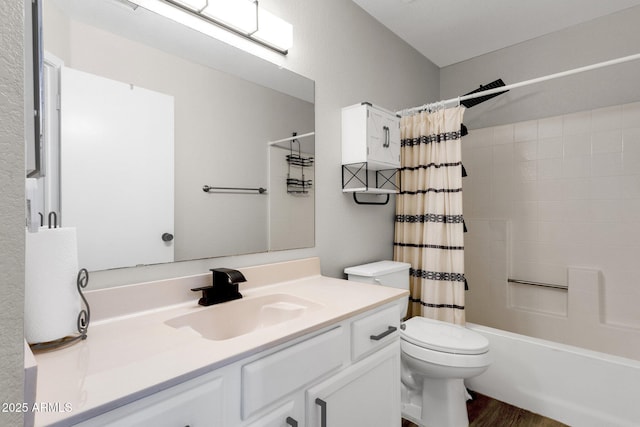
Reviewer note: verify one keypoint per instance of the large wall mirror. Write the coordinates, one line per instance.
(141, 113)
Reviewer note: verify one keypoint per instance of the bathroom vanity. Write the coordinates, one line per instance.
(298, 349)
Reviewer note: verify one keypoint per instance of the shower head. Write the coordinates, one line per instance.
(475, 101)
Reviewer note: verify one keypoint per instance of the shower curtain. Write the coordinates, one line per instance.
(428, 224)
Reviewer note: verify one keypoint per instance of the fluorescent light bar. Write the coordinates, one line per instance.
(273, 30)
(223, 19)
(238, 14)
(195, 5)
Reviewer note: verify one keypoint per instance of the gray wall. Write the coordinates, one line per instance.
(599, 40)
(352, 58)
(11, 206)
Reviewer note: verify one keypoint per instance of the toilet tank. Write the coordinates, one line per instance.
(386, 273)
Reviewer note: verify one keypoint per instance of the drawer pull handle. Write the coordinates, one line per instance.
(290, 421)
(323, 412)
(389, 330)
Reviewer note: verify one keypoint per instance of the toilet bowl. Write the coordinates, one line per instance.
(436, 356)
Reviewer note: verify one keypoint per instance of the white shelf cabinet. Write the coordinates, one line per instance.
(370, 134)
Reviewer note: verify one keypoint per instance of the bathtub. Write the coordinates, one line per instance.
(575, 386)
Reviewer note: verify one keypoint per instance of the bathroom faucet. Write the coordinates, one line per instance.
(224, 287)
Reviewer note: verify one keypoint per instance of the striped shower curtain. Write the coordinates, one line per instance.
(429, 225)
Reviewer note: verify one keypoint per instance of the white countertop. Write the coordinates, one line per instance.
(135, 354)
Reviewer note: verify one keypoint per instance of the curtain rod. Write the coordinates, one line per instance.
(291, 138)
(458, 99)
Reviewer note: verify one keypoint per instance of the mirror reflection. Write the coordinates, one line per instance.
(148, 115)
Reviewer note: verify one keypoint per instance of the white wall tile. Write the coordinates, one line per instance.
(571, 196)
(503, 156)
(606, 141)
(524, 231)
(549, 210)
(576, 123)
(482, 163)
(524, 191)
(525, 211)
(604, 210)
(550, 148)
(607, 164)
(480, 137)
(607, 187)
(576, 167)
(526, 171)
(526, 131)
(631, 211)
(525, 151)
(550, 189)
(631, 115)
(575, 188)
(503, 134)
(577, 145)
(552, 168)
(630, 186)
(550, 127)
(552, 232)
(577, 210)
(607, 118)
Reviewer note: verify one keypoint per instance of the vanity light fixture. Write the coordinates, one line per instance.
(244, 18)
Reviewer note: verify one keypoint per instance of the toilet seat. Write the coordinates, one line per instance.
(443, 337)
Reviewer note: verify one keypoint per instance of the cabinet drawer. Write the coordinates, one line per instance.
(374, 331)
(195, 403)
(275, 376)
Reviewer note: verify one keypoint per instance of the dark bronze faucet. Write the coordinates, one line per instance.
(224, 287)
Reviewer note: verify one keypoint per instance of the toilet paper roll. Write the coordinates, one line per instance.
(52, 301)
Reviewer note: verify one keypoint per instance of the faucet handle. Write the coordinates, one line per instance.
(227, 276)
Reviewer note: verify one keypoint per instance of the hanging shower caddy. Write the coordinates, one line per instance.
(297, 183)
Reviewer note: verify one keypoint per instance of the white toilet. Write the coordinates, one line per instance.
(436, 356)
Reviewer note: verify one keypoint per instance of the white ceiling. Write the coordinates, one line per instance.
(450, 31)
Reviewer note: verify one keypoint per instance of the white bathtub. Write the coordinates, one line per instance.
(572, 385)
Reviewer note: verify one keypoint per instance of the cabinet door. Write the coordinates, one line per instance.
(285, 416)
(383, 141)
(195, 403)
(365, 394)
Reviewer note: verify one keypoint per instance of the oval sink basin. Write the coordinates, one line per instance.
(239, 317)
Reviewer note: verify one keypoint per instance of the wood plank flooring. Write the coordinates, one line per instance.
(487, 412)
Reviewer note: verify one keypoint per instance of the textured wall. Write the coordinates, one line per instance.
(11, 206)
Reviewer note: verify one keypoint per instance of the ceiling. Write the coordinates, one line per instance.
(450, 31)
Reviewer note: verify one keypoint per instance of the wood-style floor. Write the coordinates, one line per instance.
(487, 412)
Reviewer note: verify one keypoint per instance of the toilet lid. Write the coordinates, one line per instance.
(443, 336)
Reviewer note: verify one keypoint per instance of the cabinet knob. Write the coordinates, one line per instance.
(292, 422)
(167, 237)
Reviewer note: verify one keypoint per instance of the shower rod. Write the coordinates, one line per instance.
(457, 100)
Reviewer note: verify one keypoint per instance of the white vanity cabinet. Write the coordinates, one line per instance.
(352, 365)
(365, 394)
(370, 134)
(199, 402)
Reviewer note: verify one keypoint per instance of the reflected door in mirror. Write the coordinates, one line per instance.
(117, 170)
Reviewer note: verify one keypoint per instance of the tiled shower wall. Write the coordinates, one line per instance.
(554, 193)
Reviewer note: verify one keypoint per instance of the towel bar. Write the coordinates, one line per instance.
(544, 285)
